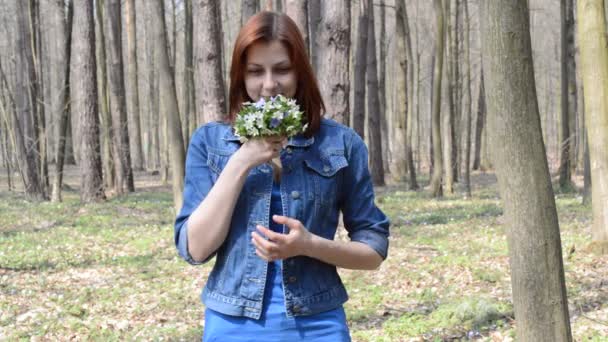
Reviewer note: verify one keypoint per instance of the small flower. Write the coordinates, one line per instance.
(260, 104)
(274, 123)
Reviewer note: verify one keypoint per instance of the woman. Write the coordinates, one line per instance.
(268, 208)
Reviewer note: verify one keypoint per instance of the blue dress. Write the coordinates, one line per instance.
(274, 325)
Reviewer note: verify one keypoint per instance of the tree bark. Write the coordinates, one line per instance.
(210, 93)
(298, 11)
(448, 117)
(64, 113)
(373, 105)
(565, 165)
(535, 255)
(360, 70)
(169, 107)
(479, 122)
(410, 102)
(467, 99)
(133, 91)
(122, 154)
(333, 40)
(436, 186)
(398, 166)
(248, 9)
(26, 125)
(104, 105)
(189, 120)
(314, 19)
(594, 66)
(83, 94)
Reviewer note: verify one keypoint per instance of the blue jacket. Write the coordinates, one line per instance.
(321, 176)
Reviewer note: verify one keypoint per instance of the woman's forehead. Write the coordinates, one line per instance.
(267, 53)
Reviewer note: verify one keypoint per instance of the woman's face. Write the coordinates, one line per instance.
(269, 71)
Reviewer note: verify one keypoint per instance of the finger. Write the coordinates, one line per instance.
(267, 246)
(274, 236)
(291, 223)
(262, 255)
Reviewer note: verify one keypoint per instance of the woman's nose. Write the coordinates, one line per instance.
(270, 82)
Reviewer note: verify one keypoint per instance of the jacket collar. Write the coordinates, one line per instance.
(295, 141)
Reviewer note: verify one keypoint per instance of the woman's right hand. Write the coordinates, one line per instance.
(259, 150)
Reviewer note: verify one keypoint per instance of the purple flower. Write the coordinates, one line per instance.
(260, 104)
(285, 114)
(274, 123)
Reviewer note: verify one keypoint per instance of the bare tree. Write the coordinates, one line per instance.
(436, 188)
(398, 166)
(133, 90)
(64, 114)
(83, 93)
(120, 132)
(594, 66)
(467, 100)
(210, 93)
(248, 9)
(298, 11)
(360, 70)
(535, 254)
(333, 40)
(373, 105)
(169, 106)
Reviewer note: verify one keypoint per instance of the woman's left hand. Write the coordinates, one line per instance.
(281, 246)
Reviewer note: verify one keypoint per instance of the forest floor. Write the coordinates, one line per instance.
(110, 271)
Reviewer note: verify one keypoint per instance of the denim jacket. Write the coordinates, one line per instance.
(321, 176)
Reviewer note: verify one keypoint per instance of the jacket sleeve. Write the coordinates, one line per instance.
(197, 184)
(363, 220)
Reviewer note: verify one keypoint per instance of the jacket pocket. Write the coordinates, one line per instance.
(325, 176)
(216, 161)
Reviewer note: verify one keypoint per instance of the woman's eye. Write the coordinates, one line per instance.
(254, 71)
(283, 70)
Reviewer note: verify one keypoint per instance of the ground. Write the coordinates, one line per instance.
(110, 271)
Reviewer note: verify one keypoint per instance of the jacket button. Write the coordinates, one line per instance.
(292, 279)
(296, 309)
(289, 150)
(295, 194)
(325, 168)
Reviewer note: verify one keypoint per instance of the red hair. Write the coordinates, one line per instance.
(266, 27)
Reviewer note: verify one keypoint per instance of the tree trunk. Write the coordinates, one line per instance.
(133, 91)
(586, 171)
(398, 166)
(467, 107)
(480, 122)
(565, 170)
(104, 105)
(594, 66)
(575, 134)
(83, 94)
(410, 101)
(189, 120)
(64, 113)
(169, 107)
(448, 118)
(535, 255)
(373, 105)
(26, 126)
(210, 94)
(298, 11)
(360, 70)
(248, 9)
(122, 155)
(314, 19)
(435, 186)
(333, 41)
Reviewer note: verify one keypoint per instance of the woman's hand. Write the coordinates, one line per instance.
(259, 150)
(282, 246)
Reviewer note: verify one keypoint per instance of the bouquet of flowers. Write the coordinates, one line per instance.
(268, 117)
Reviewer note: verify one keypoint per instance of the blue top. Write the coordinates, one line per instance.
(324, 175)
(274, 325)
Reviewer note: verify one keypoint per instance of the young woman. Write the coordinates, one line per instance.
(268, 209)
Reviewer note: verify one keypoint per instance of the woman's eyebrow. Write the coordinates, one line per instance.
(285, 62)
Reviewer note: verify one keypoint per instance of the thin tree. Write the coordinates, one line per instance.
(398, 166)
(410, 100)
(83, 94)
(298, 11)
(25, 125)
(189, 120)
(314, 19)
(467, 99)
(436, 186)
(373, 104)
(210, 93)
(535, 255)
(169, 106)
(133, 91)
(120, 132)
(248, 9)
(450, 113)
(479, 122)
(64, 114)
(565, 168)
(333, 42)
(360, 70)
(594, 66)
